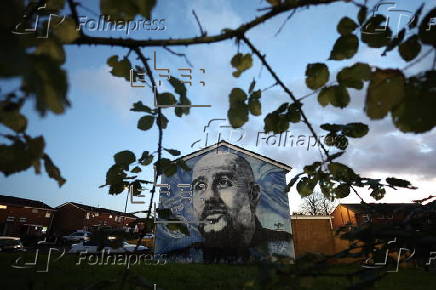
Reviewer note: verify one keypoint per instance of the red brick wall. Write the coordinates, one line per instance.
(32, 218)
(68, 219)
(312, 236)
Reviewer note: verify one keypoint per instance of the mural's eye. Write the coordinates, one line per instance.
(224, 182)
(200, 186)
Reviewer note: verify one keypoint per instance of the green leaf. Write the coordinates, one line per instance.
(341, 142)
(182, 164)
(341, 191)
(238, 110)
(330, 139)
(241, 62)
(378, 193)
(255, 107)
(179, 86)
(336, 95)
(20, 155)
(180, 111)
(373, 34)
(342, 172)
(11, 117)
(55, 4)
(145, 122)
(427, 31)
(115, 175)
(311, 169)
(166, 99)
(166, 167)
(386, 89)
(124, 158)
(48, 82)
(294, 113)
(305, 186)
(163, 122)
(317, 74)
(346, 26)
(398, 182)
(146, 158)
(356, 130)
(136, 169)
(410, 49)
(361, 15)
(332, 127)
(120, 68)
(345, 47)
(140, 107)
(416, 112)
(51, 48)
(276, 123)
(145, 7)
(353, 76)
(53, 171)
(173, 152)
(66, 31)
(120, 10)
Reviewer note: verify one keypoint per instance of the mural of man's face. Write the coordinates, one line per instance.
(225, 195)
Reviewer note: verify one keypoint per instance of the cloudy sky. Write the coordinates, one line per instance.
(99, 124)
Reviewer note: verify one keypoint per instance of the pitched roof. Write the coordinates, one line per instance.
(239, 149)
(99, 209)
(12, 200)
(379, 207)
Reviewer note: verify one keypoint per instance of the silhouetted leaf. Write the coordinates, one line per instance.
(120, 68)
(336, 95)
(140, 107)
(361, 16)
(51, 48)
(136, 169)
(166, 99)
(353, 76)
(305, 186)
(20, 155)
(317, 74)
(356, 130)
(163, 121)
(146, 158)
(398, 182)
(238, 110)
(241, 62)
(173, 152)
(427, 32)
(346, 26)
(410, 48)
(378, 193)
(145, 7)
(373, 34)
(53, 171)
(120, 10)
(145, 122)
(11, 117)
(66, 31)
(341, 191)
(386, 89)
(345, 47)
(124, 158)
(178, 85)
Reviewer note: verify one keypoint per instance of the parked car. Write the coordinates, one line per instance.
(77, 236)
(10, 244)
(92, 248)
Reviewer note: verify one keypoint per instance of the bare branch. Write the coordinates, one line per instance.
(188, 62)
(202, 32)
(286, 20)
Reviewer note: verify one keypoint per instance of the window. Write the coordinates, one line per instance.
(34, 210)
(87, 215)
(47, 214)
(110, 216)
(10, 219)
(366, 218)
(105, 223)
(96, 214)
(23, 219)
(3, 206)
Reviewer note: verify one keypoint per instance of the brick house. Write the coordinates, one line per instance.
(360, 213)
(313, 234)
(72, 216)
(24, 217)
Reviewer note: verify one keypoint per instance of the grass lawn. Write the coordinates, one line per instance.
(65, 274)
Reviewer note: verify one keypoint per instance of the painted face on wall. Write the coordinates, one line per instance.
(225, 195)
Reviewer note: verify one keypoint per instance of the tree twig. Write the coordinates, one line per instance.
(202, 32)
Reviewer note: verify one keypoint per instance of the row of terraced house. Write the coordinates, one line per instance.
(25, 217)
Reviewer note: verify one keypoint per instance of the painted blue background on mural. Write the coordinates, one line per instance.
(272, 210)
